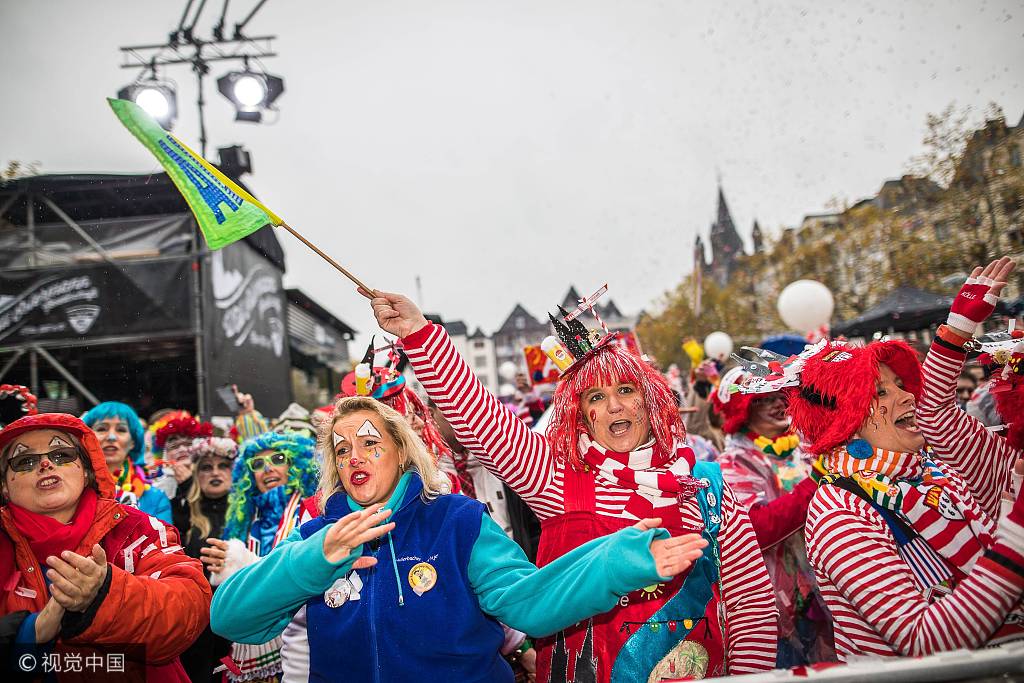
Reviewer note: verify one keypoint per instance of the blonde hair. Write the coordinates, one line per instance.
(412, 453)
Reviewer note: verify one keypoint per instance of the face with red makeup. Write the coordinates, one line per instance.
(616, 416)
(367, 458)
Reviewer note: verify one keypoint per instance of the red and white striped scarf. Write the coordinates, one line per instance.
(918, 491)
(657, 490)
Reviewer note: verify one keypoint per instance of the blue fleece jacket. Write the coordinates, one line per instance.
(392, 633)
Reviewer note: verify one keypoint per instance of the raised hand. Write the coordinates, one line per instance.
(75, 580)
(353, 530)
(673, 556)
(214, 556)
(395, 313)
(978, 297)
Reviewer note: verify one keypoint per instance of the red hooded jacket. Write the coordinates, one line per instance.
(156, 596)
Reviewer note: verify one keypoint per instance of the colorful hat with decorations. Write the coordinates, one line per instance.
(182, 425)
(837, 386)
(1006, 351)
(573, 344)
(830, 385)
(376, 381)
(16, 401)
(732, 406)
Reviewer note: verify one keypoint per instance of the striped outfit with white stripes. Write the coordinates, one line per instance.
(879, 606)
(523, 459)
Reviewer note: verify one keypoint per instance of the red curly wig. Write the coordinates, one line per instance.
(181, 426)
(610, 364)
(837, 386)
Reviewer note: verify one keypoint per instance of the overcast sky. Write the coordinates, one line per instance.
(503, 150)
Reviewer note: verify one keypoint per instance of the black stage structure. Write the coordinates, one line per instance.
(108, 292)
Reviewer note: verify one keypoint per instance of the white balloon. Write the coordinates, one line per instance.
(718, 345)
(508, 370)
(506, 390)
(806, 305)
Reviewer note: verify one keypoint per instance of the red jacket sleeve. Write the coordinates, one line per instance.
(776, 521)
(160, 600)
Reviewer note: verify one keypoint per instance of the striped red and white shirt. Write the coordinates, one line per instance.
(523, 459)
(878, 605)
(982, 458)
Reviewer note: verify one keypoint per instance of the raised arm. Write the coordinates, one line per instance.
(484, 426)
(859, 557)
(751, 614)
(982, 458)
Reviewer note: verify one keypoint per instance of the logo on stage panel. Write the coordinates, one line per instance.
(43, 308)
(250, 302)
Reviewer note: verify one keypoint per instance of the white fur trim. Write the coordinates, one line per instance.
(238, 556)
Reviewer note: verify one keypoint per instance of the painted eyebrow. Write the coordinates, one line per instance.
(367, 429)
(19, 449)
(338, 438)
(59, 441)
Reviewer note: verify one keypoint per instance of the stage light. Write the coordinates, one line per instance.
(250, 92)
(157, 98)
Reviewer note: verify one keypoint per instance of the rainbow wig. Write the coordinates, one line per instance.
(610, 364)
(126, 414)
(303, 475)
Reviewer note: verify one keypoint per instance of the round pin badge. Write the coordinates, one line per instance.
(339, 593)
(422, 577)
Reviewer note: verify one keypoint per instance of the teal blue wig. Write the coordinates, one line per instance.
(303, 475)
(124, 413)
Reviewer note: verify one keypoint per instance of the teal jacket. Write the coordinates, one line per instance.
(256, 603)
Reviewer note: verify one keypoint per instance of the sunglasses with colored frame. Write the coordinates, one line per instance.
(28, 462)
(261, 462)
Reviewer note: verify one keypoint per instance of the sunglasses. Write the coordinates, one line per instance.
(261, 462)
(30, 461)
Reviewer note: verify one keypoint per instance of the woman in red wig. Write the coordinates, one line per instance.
(908, 555)
(613, 454)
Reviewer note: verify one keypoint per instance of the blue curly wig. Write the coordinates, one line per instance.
(303, 475)
(124, 413)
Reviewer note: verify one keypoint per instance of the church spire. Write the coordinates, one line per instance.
(726, 244)
(757, 237)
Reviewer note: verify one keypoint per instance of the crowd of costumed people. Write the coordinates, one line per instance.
(772, 511)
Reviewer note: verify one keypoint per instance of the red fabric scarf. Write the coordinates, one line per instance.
(46, 536)
(658, 490)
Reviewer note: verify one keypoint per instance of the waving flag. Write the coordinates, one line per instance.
(225, 212)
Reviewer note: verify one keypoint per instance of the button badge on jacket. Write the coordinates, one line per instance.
(422, 577)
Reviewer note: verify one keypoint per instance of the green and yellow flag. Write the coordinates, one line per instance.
(226, 213)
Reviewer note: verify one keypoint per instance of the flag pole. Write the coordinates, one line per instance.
(325, 257)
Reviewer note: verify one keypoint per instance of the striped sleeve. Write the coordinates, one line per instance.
(880, 605)
(499, 439)
(251, 424)
(982, 458)
(751, 614)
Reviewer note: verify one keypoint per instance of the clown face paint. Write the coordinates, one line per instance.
(893, 424)
(47, 489)
(116, 441)
(367, 457)
(368, 430)
(616, 416)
